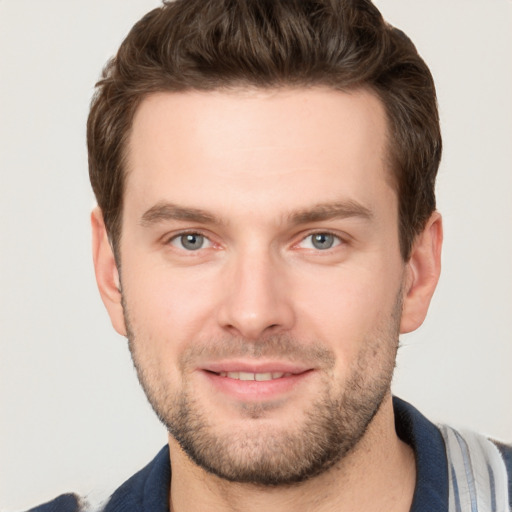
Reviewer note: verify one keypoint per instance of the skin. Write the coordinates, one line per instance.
(263, 167)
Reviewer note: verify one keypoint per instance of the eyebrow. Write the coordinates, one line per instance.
(329, 211)
(164, 211)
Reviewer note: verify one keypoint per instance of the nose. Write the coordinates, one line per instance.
(255, 297)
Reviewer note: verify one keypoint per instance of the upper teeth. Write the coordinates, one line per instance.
(254, 376)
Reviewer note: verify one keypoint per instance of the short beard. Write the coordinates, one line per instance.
(265, 455)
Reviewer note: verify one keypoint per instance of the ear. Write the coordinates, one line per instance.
(107, 275)
(422, 274)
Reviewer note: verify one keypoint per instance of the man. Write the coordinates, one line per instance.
(266, 228)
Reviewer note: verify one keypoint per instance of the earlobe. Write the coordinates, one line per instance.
(423, 270)
(107, 275)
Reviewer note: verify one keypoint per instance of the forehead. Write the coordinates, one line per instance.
(215, 147)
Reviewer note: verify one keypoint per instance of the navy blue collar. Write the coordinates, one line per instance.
(148, 490)
(431, 492)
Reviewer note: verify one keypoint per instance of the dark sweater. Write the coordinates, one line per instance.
(148, 489)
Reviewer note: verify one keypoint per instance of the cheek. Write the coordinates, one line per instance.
(168, 306)
(348, 308)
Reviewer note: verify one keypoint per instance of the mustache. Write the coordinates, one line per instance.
(281, 347)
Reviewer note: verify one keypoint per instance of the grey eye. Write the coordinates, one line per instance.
(191, 241)
(323, 241)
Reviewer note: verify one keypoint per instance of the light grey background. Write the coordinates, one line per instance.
(72, 416)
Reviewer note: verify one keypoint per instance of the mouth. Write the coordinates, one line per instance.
(260, 377)
(266, 382)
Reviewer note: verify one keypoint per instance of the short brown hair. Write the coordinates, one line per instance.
(214, 44)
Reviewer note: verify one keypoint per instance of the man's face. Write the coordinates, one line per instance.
(261, 274)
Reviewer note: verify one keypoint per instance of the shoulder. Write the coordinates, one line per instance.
(147, 490)
(480, 468)
(64, 503)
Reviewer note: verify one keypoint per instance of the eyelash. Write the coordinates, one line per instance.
(337, 240)
(182, 234)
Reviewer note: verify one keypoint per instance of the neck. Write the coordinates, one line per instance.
(378, 474)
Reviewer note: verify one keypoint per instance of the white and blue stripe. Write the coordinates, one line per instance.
(477, 473)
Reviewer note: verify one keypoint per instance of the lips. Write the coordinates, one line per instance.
(260, 377)
(249, 381)
(233, 369)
